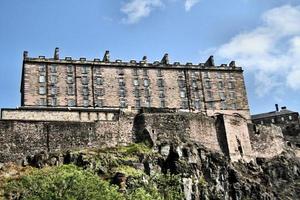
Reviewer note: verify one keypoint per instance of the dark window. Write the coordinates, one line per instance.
(162, 103)
(122, 103)
(84, 80)
(99, 81)
(69, 69)
(53, 68)
(86, 103)
(70, 79)
(84, 69)
(71, 102)
(161, 94)
(53, 90)
(147, 92)
(53, 102)
(85, 90)
(231, 85)
(122, 93)
(42, 68)
(209, 94)
(220, 85)
(137, 93)
(70, 90)
(181, 83)
(121, 82)
(197, 104)
(207, 84)
(184, 104)
(138, 103)
(160, 83)
(42, 102)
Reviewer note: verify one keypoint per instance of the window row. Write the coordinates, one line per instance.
(220, 85)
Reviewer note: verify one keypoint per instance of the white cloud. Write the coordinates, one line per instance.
(271, 51)
(138, 9)
(190, 3)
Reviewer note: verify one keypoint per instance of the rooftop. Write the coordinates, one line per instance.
(283, 111)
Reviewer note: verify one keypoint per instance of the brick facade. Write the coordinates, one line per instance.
(203, 88)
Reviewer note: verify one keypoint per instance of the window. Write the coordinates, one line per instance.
(220, 85)
(231, 76)
(71, 102)
(290, 117)
(42, 102)
(162, 103)
(138, 103)
(161, 94)
(219, 75)
(135, 82)
(42, 79)
(99, 103)
(282, 119)
(122, 93)
(194, 84)
(230, 85)
(273, 120)
(84, 80)
(147, 92)
(53, 68)
(42, 90)
(223, 105)
(53, 102)
(135, 72)
(121, 82)
(207, 84)
(262, 122)
(137, 93)
(86, 103)
(222, 95)
(53, 90)
(70, 79)
(234, 107)
(42, 68)
(121, 71)
(206, 75)
(211, 105)
(184, 104)
(159, 72)
(146, 82)
(197, 104)
(122, 103)
(69, 69)
(84, 70)
(99, 81)
(85, 90)
(160, 83)
(209, 94)
(197, 95)
(148, 102)
(145, 72)
(182, 94)
(232, 95)
(70, 90)
(53, 79)
(181, 83)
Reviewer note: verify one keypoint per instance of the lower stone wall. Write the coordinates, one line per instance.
(267, 141)
(19, 139)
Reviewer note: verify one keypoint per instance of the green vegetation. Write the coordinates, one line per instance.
(66, 182)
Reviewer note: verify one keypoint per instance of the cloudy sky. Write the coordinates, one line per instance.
(262, 36)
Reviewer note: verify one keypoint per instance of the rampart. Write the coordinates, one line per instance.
(227, 134)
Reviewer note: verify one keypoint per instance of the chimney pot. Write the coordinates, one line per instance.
(276, 106)
(56, 53)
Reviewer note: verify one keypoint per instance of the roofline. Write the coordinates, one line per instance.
(132, 63)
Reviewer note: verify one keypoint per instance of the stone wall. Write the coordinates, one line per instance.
(267, 141)
(59, 115)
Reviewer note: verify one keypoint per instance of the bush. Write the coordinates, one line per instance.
(66, 182)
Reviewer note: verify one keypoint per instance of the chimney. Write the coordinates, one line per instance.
(276, 106)
(145, 59)
(56, 53)
(210, 62)
(165, 59)
(25, 54)
(283, 108)
(232, 64)
(106, 57)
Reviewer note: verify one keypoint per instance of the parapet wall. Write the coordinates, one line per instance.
(86, 115)
(226, 134)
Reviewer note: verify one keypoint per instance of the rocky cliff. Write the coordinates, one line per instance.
(177, 170)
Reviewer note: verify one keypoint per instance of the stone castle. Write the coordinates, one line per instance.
(69, 104)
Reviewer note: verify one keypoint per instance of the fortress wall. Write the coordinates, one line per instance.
(19, 138)
(182, 127)
(238, 140)
(51, 115)
(267, 141)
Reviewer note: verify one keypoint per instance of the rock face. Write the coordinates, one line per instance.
(203, 174)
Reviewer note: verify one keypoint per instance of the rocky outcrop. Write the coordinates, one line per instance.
(202, 174)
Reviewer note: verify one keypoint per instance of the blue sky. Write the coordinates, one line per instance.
(263, 36)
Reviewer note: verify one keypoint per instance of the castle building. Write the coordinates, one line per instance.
(56, 83)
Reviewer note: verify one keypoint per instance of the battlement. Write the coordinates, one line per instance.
(208, 65)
